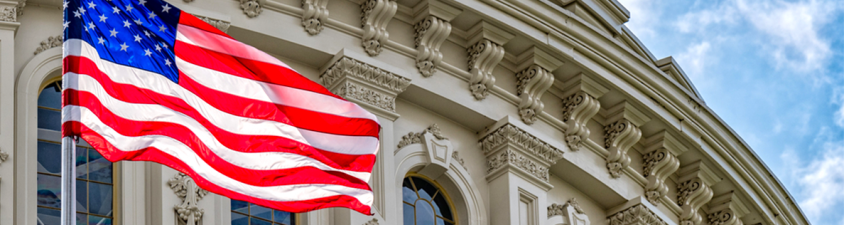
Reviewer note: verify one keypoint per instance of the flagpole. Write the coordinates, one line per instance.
(68, 199)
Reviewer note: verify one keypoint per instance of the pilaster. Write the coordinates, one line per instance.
(660, 159)
(534, 80)
(517, 173)
(374, 19)
(727, 209)
(579, 107)
(694, 190)
(372, 88)
(621, 133)
(432, 28)
(8, 28)
(314, 13)
(484, 54)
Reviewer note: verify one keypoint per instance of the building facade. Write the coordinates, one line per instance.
(529, 112)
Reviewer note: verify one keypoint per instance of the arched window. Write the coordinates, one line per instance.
(94, 182)
(245, 213)
(425, 203)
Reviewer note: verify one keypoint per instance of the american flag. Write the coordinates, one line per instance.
(145, 81)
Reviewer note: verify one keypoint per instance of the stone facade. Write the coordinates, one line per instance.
(514, 108)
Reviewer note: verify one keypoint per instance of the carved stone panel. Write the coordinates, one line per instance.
(364, 84)
(511, 149)
(636, 215)
(188, 212)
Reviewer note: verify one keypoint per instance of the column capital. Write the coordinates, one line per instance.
(509, 148)
(371, 87)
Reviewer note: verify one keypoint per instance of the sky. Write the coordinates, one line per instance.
(774, 71)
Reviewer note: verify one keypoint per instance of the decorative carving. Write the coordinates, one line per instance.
(5, 156)
(353, 91)
(619, 137)
(313, 15)
(416, 138)
(512, 134)
(483, 57)
(577, 110)
(51, 42)
(184, 187)
(532, 83)
(636, 215)
(251, 8)
(691, 195)
(9, 14)
(374, 19)
(557, 209)
(219, 24)
(723, 217)
(659, 164)
(457, 158)
(509, 157)
(431, 32)
(346, 69)
(726, 209)
(19, 7)
(372, 222)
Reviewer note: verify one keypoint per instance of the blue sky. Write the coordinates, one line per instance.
(774, 71)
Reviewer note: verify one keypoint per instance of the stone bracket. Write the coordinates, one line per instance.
(314, 14)
(660, 161)
(509, 148)
(694, 190)
(579, 107)
(621, 134)
(432, 28)
(727, 209)
(374, 19)
(373, 88)
(533, 81)
(252, 8)
(484, 55)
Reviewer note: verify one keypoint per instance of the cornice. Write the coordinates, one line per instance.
(372, 87)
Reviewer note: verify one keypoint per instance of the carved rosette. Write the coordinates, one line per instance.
(314, 12)
(219, 24)
(692, 194)
(659, 164)
(188, 211)
(532, 83)
(724, 217)
(416, 138)
(636, 215)
(9, 14)
(619, 137)
(374, 19)
(431, 32)
(51, 42)
(355, 80)
(251, 8)
(483, 57)
(577, 110)
(510, 146)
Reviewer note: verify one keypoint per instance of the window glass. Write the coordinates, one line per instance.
(94, 183)
(245, 213)
(424, 203)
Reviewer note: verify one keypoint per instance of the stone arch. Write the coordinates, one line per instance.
(468, 202)
(42, 68)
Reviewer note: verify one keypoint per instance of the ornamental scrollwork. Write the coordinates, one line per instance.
(348, 67)
(416, 138)
(509, 157)
(431, 32)
(219, 24)
(723, 217)
(636, 215)
(692, 194)
(458, 159)
(483, 57)
(188, 211)
(251, 8)
(512, 134)
(9, 14)
(659, 164)
(314, 14)
(619, 137)
(532, 83)
(377, 99)
(374, 19)
(578, 109)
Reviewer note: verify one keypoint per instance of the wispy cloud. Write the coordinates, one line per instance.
(822, 180)
(694, 60)
(642, 16)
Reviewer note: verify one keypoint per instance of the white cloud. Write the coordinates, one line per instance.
(822, 181)
(694, 60)
(699, 20)
(643, 14)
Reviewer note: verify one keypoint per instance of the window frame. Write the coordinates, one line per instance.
(249, 215)
(440, 190)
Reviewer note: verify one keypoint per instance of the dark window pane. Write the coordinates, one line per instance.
(426, 190)
(81, 219)
(260, 211)
(99, 167)
(49, 190)
(424, 213)
(440, 221)
(239, 219)
(96, 220)
(49, 119)
(49, 216)
(49, 158)
(81, 163)
(240, 206)
(408, 195)
(256, 221)
(50, 97)
(281, 217)
(81, 196)
(408, 214)
(442, 207)
(100, 199)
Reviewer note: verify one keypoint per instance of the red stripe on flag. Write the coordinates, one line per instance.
(190, 20)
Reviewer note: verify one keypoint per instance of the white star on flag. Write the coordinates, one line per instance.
(103, 18)
(100, 40)
(91, 5)
(147, 52)
(167, 62)
(116, 10)
(82, 10)
(138, 38)
(126, 24)
(123, 47)
(165, 8)
(113, 32)
(162, 28)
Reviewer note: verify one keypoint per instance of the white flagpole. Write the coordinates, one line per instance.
(68, 199)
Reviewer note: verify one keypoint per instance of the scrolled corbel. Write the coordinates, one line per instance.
(314, 14)
(251, 8)
(579, 107)
(694, 190)
(374, 19)
(660, 159)
(533, 81)
(432, 28)
(621, 135)
(484, 55)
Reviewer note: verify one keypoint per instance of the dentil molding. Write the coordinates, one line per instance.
(694, 190)
(533, 81)
(579, 107)
(484, 55)
(511, 149)
(374, 19)
(369, 86)
(251, 8)
(621, 134)
(636, 215)
(314, 13)
(188, 211)
(432, 28)
(660, 161)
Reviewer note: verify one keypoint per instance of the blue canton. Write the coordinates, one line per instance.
(135, 33)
